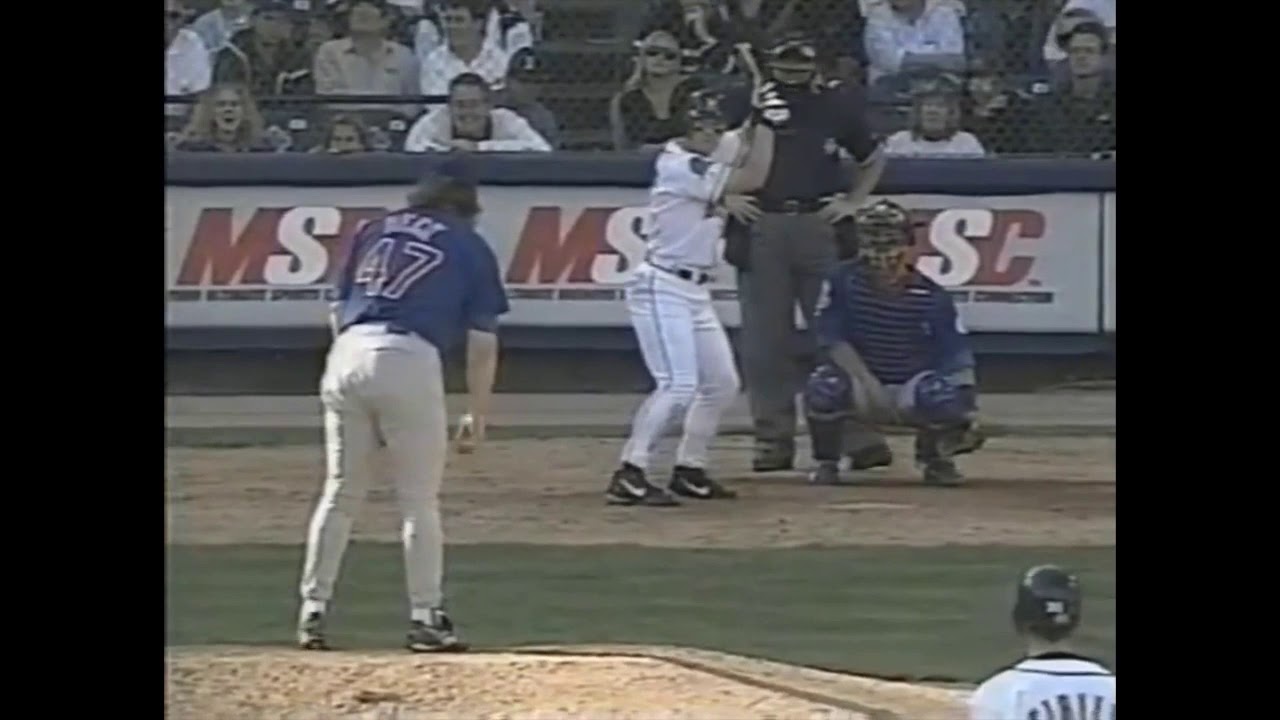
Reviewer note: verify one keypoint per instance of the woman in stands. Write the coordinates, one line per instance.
(935, 124)
(226, 119)
(648, 110)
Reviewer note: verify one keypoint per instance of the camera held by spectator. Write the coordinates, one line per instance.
(470, 123)
(935, 124)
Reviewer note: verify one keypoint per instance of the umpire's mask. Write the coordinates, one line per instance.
(885, 235)
(793, 62)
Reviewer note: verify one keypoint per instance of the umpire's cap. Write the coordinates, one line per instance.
(1047, 604)
(794, 47)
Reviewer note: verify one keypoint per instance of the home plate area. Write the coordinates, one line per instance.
(548, 683)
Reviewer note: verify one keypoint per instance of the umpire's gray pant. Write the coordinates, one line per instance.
(791, 255)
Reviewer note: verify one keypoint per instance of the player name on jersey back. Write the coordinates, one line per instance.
(1048, 687)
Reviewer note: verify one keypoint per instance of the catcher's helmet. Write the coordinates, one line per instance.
(883, 224)
(1047, 603)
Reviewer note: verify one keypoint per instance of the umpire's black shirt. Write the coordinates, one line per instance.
(805, 165)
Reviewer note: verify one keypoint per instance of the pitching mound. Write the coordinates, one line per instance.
(542, 683)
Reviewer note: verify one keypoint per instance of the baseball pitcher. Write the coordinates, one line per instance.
(680, 336)
(896, 353)
(1050, 682)
(415, 283)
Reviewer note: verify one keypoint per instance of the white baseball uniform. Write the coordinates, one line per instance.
(1052, 686)
(680, 336)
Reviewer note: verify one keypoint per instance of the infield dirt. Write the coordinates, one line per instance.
(1023, 491)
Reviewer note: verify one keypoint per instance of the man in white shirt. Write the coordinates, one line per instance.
(509, 25)
(464, 49)
(1050, 683)
(912, 33)
(681, 338)
(470, 122)
(186, 59)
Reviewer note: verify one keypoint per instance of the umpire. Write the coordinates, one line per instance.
(786, 237)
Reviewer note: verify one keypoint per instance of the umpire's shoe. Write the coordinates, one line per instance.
(630, 487)
(311, 632)
(436, 635)
(692, 482)
(872, 457)
(772, 458)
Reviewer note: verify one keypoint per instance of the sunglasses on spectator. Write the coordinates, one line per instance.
(662, 53)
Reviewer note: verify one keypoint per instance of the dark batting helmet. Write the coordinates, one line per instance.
(1047, 603)
(705, 112)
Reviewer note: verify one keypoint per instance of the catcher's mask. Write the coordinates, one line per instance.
(793, 60)
(885, 235)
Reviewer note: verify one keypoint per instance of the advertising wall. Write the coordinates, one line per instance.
(1026, 247)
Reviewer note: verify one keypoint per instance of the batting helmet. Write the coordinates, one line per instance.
(704, 112)
(1047, 603)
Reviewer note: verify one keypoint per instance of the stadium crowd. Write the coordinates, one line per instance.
(951, 78)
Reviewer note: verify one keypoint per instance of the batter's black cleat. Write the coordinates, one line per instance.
(435, 636)
(942, 473)
(827, 473)
(630, 487)
(311, 633)
(772, 459)
(872, 457)
(692, 482)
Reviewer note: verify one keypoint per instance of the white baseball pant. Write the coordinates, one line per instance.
(688, 354)
(381, 389)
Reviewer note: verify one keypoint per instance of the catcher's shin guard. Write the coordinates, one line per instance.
(827, 438)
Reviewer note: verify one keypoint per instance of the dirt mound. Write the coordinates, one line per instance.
(541, 684)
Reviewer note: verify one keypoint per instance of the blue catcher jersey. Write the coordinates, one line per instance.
(425, 273)
(898, 334)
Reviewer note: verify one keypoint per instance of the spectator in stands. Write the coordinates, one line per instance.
(521, 95)
(366, 62)
(467, 48)
(345, 135)
(1079, 115)
(837, 29)
(318, 30)
(935, 124)
(707, 31)
(264, 56)
(650, 108)
(186, 59)
(469, 122)
(1103, 11)
(996, 114)
(226, 119)
(903, 35)
(217, 26)
(509, 25)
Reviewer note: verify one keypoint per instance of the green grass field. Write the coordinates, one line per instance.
(939, 613)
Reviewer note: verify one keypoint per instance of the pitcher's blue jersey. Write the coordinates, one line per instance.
(898, 334)
(425, 273)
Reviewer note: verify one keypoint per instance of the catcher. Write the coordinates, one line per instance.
(894, 352)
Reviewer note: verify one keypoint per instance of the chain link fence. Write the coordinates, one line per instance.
(941, 77)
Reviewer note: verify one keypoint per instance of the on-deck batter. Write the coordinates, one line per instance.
(1050, 682)
(415, 283)
(681, 339)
